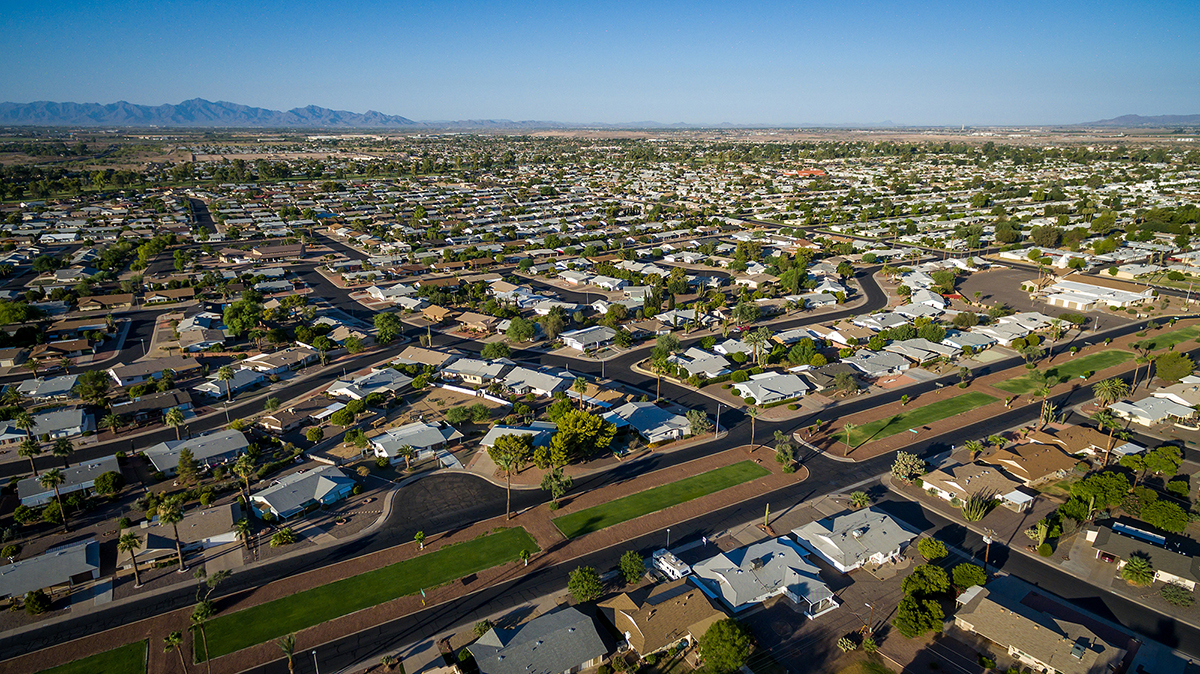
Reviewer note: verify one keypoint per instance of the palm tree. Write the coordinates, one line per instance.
(11, 396)
(659, 365)
(244, 531)
(174, 641)
(65, 363)
(129, 542)
(112, 422)
(30, 448)
(753, 412)
(974, 447)
(849, 429)
(225, 374)
(1105, 418)
(174, 419)
(32, 364)
(1138, 571)
(287, 644)
(52, 479)
(580, 387)
(200, 617)
(25, 421)
(170, 511)
(244, 468)
(407, 453)
(62, 448)
(860, 499)
(507, 462)
(1110, 391)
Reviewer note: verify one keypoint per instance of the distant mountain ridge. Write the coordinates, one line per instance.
(1132, 121)
(196, 112)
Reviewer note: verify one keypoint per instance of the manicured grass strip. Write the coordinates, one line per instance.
(1065, 367)
(234, 631)
(919, 416)
(1165, 339)
(128, 659)
(657, 498)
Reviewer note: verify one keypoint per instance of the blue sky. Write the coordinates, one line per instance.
(937, 63)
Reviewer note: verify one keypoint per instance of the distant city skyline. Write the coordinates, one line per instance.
(774, 63)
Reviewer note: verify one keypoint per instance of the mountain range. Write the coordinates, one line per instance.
(199, 113)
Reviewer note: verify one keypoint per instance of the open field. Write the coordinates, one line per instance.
(255, 625)
(658, 498)
(898, 423)
(1165, 339)
(1066, 368)
(128, 659)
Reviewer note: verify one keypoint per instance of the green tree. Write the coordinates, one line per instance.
(509, 453)
(188, 470)
(1110, 390)
(926, 580)
(1165, 515)
(109, 483)
(112, 422)
(967, 574)
(915, 617)
(1174, 366)
(557, 483)
(584, 584)
(860, 499)
(174, 419)
(174, 642)
(225, 373)
(30, 448)
(580, 435)
(244, 530)
(907, 467)
(725, 647)
(698, 422)
(495, 350)
(314, 434)
(932, 549)
(170, 511)
(1137, 570)
(130, 543)
(521, 330)
(388, 327)
(632, 566)
(53, 479)
(244, 468)
(92, 386)
(243, 315)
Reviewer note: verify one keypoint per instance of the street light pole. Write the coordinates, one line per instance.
(717, 428)
(987, 547)
(668, 538)
(143, 341)
(315, 665)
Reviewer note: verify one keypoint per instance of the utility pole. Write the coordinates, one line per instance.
(717, 428)
(987, 542)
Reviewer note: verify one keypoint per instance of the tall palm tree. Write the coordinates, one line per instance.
(170, 511)
(506, 462)
(12, 396)
(65, 363)
(30, 448)
(174, 418)
(25, 421)
(203, 612)
(53, 479)
(407, 453)
(244, 467)
(244, 531)
(764, 336)
(848, 429)
(225, 374)
(753, 412)
(174, 642)
(287, 644)
(62, 448)
(580, 387)
(112, 422)
(129, 542)
(1110, 391)
(32, 364)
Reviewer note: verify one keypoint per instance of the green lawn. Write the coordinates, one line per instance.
(1065, 367)
(128, 659)
(255, 625)
(919, 416)
(1165, 339)
(658, 498)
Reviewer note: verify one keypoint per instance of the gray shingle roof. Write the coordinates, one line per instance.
(852, 537)
(165, 455)
(290, 494)
(549, 644)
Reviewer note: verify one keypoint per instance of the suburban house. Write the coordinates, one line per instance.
(52, 388)
(700, 363)
(286, 419)
(960, 481)
(1084, 440)
(384, 380)
(541, 432)
(475, 371)
(563, 641)
(588, 339)
(750, 575)
(200, 339)
(1080, 295)
(278, 362)
(203, 529)
(294, 494)
(436, 314)
(1032, 464)
(63, 566)
(855, 538)
(424, 438)
(60, 423)
(105, 302)
(875, 364)
(153, 405)
(416, 355)
(658, 617)
(79, 477)
(652, 422)
(1150, 411)
(208, 450)
(242, 380)
(13, 356)
(136, 373)
(169, 295)
(1176, 559)
(522, 380)
(1000, 613)
(470, 320)
(771, 387)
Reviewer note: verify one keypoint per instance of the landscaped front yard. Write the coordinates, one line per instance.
(658, 498)
(919, 416)
(128, 659)
(255, 625)
(1066, 367)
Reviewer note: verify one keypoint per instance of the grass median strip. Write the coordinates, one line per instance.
(128, 659)
(657, 498)
(919, 416)
(1165, 339)
(234, 631)
(1066, 368)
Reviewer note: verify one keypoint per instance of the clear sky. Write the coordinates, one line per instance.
(936, 63)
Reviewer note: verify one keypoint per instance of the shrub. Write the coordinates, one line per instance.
(1177, 595)
(967, 574)
(748, 400)
(1045, 550)
(932, 549)
(740, 376)
(36, 602)
(986, 662)
(381, 462)
(793, 406)
(283, 537)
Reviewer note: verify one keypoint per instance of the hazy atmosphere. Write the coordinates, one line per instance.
(782, 63)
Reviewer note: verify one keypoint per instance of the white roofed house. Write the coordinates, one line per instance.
(79, 477)
(588, 339)
(700, 363)
(424, 438)
(383, 380)
(854, 538)
(747, 576)
(920, 350)
(652, 422)
(281, 361)
(928, 298)
(475, 371)
(1150, 411)
(522, 380)
(294, 494)
(62, 566)
(242, 380)
(208, 450)
(732, 346)
(48, 388)
(877, 363)
(540, 431)
(609, 283)
(772, 387)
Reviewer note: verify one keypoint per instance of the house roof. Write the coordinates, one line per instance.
(418, 435)
(750, 573)
(772, 386)
(648, 419)
(541, 431)
(1030, 462)
(965, 479)
(43, 387)
(852, 537)
(385, 380)
(416, 354)
(56, 566)
(165, 455)
(154, 401)
(523, 377)
(1176, 555)
(549, 644)
(658, 616)
(74, 478)
(292, 493)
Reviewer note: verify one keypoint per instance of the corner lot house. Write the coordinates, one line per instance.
(1173, 557)
(658, 617)
(293, 494)
(208, 450)
(588, 339)
(750, 575)
(960, 481)
(771, 387)
(424, 438)
(563, 641)
(652, 422)
(854, 538)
